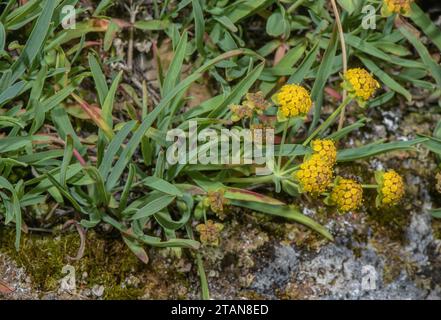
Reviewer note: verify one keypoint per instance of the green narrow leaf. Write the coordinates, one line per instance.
(199, 26)
(155, 203)
(13, 143)
(16, 210)
(114, 147)
(165, 220)
(433, 145)
(368, 48)
(127, 153)
(64, 192)
(420, 18)
(432, 66)
(99, 78)
(18, 219)
(151, 25)
(136, 249)
(323, 74)
(162, 185)
(102, 6)
(127, 187)
(10, 121)
(226, 22)
(110, 35)
(247, 195)
(6, 10)
(174, 71)
(107, 108)
(305, 67)
(385, 78)
(2, 37)
(35, 43)
(205, 292)
(12, 92)
(101, 192)
(64, 127)
(375, 149)
(68, 152)
(34, 100)
(241, 9)
(348, 5)
(285, 212)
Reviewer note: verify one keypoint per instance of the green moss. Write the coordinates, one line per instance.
(436, 227)
(42, 259)
(107, 262)
(390, 222)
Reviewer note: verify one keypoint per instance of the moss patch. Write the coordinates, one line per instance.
(106, 261)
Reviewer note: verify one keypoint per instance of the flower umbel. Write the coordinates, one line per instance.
(390, 188)
(257, 102)
(254, 103)
(396, 6)
(314, 175)
(240, 112)
(217, 202)
(326, 150)
(360, 84)
(293, 101)
(209, 232)
(347, 194)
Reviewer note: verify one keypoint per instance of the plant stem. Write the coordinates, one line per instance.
(205, 292)
(369, 186)
(327, 122)
(262, 179)
(204, 283)
(343, 55)
(290, 170)
(285, 130)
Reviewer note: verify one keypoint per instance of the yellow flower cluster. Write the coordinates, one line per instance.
(209, 232)
(293, 101)
(347, 194)
(397, 6)
(314, 175)
(316, 172)
(360, 84)
(390, 188)
(326, 149)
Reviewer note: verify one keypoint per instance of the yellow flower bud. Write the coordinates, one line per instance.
(347, 194)
(396, 6)
(314, 175)
(293, 101)
(326, 150)
(390, 188)
(360, 84)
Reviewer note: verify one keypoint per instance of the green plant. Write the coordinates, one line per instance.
(78, 133)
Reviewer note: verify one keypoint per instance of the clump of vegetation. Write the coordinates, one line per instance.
(88, 100)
